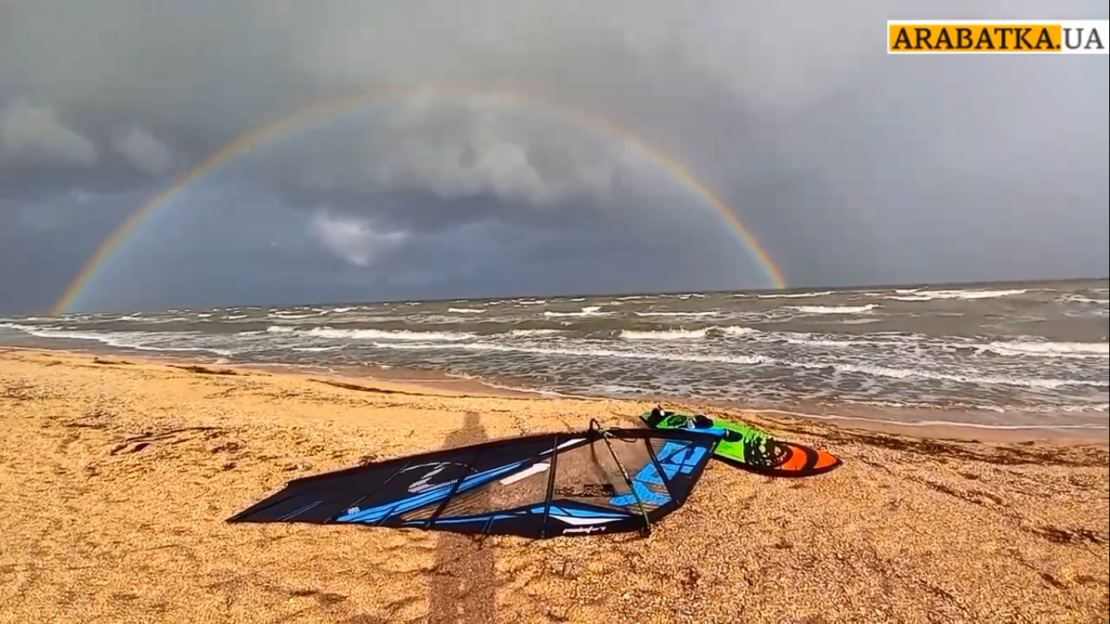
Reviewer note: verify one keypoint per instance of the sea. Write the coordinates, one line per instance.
(1005, 355)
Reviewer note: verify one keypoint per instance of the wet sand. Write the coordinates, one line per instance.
(116, 476)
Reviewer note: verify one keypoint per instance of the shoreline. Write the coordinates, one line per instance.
(436, 383)
(117, 476)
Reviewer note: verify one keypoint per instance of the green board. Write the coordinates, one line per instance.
(749, 447)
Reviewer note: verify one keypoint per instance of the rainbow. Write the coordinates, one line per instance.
(332, 107)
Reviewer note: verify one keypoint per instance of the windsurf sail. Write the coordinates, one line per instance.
(540, 486)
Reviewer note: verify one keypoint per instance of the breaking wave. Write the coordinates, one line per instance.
(863, 309)
(966, 295)
(586, 311)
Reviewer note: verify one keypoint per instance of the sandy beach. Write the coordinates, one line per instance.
(117, 475)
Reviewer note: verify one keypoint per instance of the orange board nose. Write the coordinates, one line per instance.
(825, 461)
(803, 461)
(797, 460)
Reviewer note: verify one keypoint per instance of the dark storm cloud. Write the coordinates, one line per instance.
(214, 256)
(45, 241)
(850, 165)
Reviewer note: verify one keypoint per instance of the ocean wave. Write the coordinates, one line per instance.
(738, 330)
(25, 328)
(966, 295)
(586, 311)
(758, 360)
(383, 334)
(466, 310)
(863, 309)
(1046, 408)
(140, 341)
(686, 334)
(955, 423)
(139, 319)
(1050, 349)
(1082, 299)
(663, 334)
(677, 314)
(802, 295)
(1027, 347)
(371, 334)
(535, 332)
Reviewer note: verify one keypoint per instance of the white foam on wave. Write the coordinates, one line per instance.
(953, 423)
(466, 310)
(738, 330)
(663, 334)
(687, 334)
(372, 334)
(1016, 348)
(1082, 299)
(586, 311)
(288, 316)
(1048, 409)
(535, 332)
(863, 309)
(1050, 349)
(23, 328)
(677, 314)
(581, 352)
(139, 319)
(803, 295)
(755, 359)
(140, 341)
(966, 295)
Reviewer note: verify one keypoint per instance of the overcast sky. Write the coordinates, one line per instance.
(849, 165)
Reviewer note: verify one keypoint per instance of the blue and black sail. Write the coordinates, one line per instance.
(589, 482)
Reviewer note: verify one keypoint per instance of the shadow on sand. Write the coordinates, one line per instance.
(463, 585)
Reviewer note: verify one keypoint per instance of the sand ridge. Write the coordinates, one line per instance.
(116, 477)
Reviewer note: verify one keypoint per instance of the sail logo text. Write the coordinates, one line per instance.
(998, 37)
(674, 458)
(424, 483)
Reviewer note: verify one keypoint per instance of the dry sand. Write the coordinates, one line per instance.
(116, 478)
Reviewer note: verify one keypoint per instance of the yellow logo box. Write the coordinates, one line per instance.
(998, 37)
